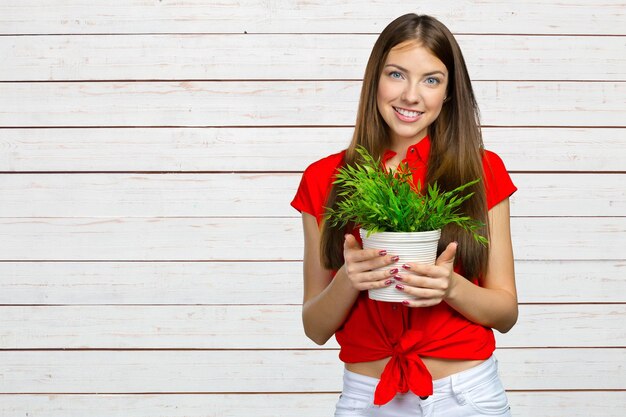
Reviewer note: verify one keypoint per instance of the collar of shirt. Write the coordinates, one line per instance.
(416, 159)
(415, 155)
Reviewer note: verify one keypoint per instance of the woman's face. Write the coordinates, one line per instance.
(411, 91)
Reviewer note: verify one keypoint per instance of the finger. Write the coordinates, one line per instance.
(447, 256)
(415, 268)
(429, 288)
(360, 274)
(425, 296)
(421, 303)
(367, 280)
(350, 242)
(372, 285)
(360, 255)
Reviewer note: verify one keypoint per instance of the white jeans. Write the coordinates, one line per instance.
(470, 393)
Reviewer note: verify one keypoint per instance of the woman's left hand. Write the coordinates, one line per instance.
(431, 284)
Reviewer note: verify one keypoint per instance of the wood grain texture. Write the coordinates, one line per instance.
(222, 371)
(282, 149)
(209, 283)
(222, 239)
(230, 195)
(293, 57)
(325, 16)
(265, 327)
(523, 404)
(315, 103)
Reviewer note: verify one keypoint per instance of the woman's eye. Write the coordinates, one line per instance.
(432, 81)
(395, 74)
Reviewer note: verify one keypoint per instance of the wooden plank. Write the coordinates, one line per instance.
(287, 103)
(570, 281)
(557, 149)
(222, 239)
(265, 327)
(162, 195)
(166, 283)
(560, 238)
(171, 149)
(200, 371)
(150, 282)
(293, 56)
(560, 195)
(285, 149)
(229, 195)
(193, 16)
(569, 325)
(523, 404)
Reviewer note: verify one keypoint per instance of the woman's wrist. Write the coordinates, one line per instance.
(342, 280)
(453, 287)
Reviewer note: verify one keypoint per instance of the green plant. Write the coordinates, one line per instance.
(380, 200)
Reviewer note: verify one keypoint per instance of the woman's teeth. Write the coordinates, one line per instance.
(407, 113)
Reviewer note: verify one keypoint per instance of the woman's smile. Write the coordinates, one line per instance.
(408, 116)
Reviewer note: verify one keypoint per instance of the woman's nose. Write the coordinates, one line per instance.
(411, 94)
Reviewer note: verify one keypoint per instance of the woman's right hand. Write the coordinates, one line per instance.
(362, 265)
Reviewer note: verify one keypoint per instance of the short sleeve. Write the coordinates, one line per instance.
(315, 186)
(498, 183)
(303, 201)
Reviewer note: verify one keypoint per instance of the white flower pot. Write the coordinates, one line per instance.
(410, 247)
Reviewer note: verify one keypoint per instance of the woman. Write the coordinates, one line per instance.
(432, 356)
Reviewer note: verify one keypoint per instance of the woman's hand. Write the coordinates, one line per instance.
(362, 266)
(431, 284)
(492, 303)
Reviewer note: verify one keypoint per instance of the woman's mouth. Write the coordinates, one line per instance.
(407, 115)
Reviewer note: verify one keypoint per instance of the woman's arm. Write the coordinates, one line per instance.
(494, 303)
(327, 300)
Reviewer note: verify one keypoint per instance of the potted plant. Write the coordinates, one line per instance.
(394, 214)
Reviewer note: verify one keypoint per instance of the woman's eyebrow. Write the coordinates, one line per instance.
(435, 72)
(397, 66)
(406, 70)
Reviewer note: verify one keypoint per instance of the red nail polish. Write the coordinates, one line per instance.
(389, 282)
(405, 266)
(397, 277)
(393, 271)
(382, 253)
(405, 302)
(400, 287)
(395, 258)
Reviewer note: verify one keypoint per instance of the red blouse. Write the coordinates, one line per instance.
(376, 330)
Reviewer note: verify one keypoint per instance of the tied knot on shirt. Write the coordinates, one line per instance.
(405, 370)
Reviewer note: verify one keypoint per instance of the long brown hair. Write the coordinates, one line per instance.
(456, 140)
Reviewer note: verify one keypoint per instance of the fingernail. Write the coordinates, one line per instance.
(405, 302)
(397, 277)
(405, 266)
(395, 258)
(382, 253)
(393, 271)
(389, 282)
(400, 287)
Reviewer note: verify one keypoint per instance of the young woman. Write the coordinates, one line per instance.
(432, 356)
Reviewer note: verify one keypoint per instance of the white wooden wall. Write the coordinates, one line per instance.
(150, 262)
